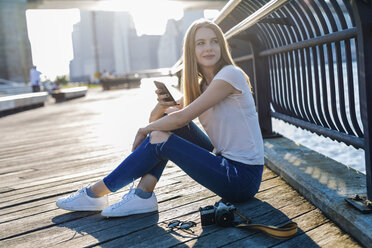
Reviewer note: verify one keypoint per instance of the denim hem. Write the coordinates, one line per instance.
(107, 184)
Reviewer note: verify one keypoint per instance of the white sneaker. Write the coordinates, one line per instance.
(80, 201)
(131, 204)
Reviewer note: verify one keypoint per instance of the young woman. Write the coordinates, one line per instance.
(217, 92)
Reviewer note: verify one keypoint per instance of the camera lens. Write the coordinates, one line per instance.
(224, 218)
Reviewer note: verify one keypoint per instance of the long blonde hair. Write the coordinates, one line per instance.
(192, 78)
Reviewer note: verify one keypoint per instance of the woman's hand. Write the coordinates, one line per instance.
(163, 107)
(162, 103)
(140, 137)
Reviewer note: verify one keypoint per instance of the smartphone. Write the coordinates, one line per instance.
(165, 90)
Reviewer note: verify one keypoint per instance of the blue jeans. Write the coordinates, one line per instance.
(191, 150)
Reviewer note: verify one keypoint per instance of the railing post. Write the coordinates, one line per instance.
(261, 81)
(363, 21)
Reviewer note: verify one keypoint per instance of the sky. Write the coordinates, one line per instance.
(49, 30)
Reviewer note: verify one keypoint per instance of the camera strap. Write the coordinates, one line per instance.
(281, 232)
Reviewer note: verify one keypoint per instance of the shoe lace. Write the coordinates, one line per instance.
(127, 197)
(75, 194)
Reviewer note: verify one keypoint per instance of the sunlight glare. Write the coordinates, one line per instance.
(49, 32)
(149, 16)
(210, 14)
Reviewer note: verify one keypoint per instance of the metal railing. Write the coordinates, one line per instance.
(310, 64)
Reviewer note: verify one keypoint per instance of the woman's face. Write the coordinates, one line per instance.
(207, 48)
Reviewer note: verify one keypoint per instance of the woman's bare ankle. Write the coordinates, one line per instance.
(100, 189)
(147, 183)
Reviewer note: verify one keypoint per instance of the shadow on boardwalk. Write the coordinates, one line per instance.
(146, 231)
(49, 152)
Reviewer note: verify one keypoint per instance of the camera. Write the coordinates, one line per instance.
(221, 213)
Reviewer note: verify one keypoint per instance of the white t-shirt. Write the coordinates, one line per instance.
(232, 124)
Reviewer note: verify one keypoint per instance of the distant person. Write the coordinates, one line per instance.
(229, 161)
(105, 73)
(35, 79)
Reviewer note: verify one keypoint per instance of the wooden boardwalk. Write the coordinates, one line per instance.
(49, 152)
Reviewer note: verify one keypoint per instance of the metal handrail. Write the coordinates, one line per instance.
(243, 58)
(302, 62)
(246, 23)
(226, 10)
(328, 38)
(255, 17)
(341, 35)
(303, 59)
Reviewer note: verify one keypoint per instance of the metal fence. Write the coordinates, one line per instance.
(310, 62)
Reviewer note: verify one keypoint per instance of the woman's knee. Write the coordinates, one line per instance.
(159, 136)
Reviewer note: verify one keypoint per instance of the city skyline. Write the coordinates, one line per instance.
(52, 50)
(108, 41)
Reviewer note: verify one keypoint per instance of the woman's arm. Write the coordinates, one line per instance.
(217, 91)
(157, 112)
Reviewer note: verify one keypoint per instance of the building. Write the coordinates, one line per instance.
(99, 39)
(144, 52)
(15, 48)
(108, 41)
(170, 46)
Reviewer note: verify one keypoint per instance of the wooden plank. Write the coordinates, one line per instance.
(183, 210)
(130, 226)
(45, 221)
(116, 196)
(66, 185)
(40, 164)
(42, 191)
(41, 205)
(326, 235)
(254, 209)
(268, 216)
(177, 189)
(306, 222)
